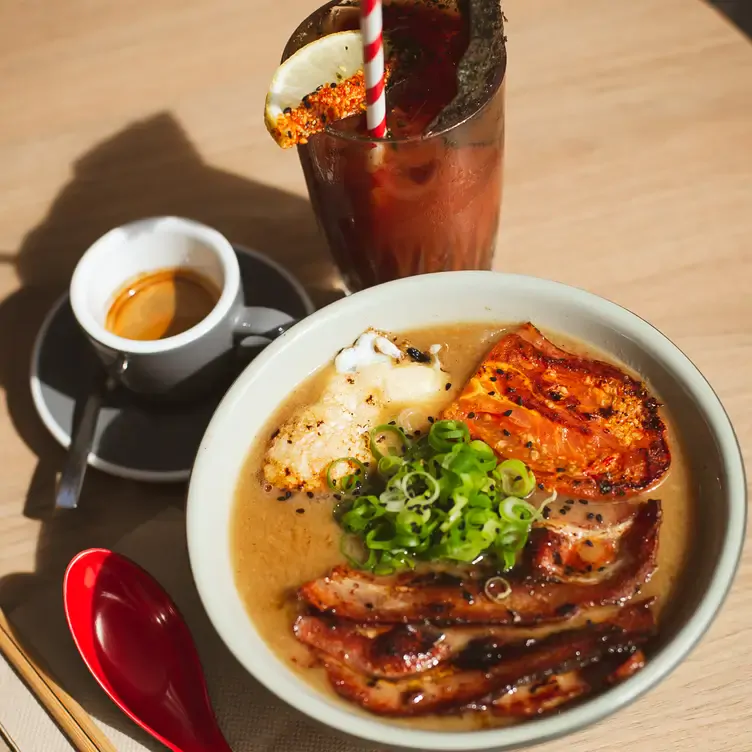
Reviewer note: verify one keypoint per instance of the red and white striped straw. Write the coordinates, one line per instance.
(373, 66)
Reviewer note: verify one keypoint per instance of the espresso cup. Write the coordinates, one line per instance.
(188, 362)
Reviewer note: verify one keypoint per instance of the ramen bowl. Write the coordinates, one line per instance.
(708, 439)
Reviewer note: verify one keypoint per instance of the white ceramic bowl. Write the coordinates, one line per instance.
(448, 298)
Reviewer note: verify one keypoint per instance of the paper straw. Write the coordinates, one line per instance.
(373, 67)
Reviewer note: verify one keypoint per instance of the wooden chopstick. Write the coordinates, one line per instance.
(72, 719)
(9, 743)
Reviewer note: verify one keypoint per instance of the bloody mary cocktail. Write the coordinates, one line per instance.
(427, 198)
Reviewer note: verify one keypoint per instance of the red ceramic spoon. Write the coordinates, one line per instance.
(136, 644)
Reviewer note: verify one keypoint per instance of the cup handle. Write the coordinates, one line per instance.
(261, 325)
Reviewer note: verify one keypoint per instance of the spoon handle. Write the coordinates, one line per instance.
(72, 477)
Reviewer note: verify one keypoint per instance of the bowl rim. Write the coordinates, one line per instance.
(295, 692)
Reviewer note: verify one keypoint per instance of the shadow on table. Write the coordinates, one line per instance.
(148, 168)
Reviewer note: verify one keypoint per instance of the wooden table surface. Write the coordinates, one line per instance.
(629, 173)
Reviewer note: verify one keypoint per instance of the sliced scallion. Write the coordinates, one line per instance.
(441, 497)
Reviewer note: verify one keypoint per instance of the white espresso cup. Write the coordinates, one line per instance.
(188, 362)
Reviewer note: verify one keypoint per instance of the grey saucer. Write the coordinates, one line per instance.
(134, 438)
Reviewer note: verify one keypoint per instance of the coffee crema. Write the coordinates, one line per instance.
(161, 304)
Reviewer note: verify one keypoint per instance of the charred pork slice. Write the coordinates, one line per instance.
(580, 541)
(396, 651)
(540, 697)
(537, 698)
(487, 668)
(583, 426)
(443, 599)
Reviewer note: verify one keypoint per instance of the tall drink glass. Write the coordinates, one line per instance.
(419, 201)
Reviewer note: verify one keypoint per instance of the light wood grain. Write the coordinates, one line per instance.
(71, 718)
(628, 172)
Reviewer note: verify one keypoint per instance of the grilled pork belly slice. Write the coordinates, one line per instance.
(394, 651)
(446, 599)
(581, 541)
(486, 668)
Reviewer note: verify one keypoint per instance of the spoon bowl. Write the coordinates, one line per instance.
(137, 646)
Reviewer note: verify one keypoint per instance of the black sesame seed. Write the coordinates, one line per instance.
(529, 445)
(560, 469)
(555, 396)
(540, 485)
(287, 110)
(289, 134)
(418, 356)
(601, 569)
(471, 415)
(517, 478)
(505, 432)
(447, 386)
(557, 558)
(310, 494)
(583, 501)
(563, 510)
(338, 497)
(430, 418)
(519, 401)
(589, 567)
(323, 118)
(280, 498)
(288, 494)
(275, 434)
(392, 422)
(599, 517)
(300, 510)
(569, 502)
(588, 542)
(507, 413)
(491, 393)
(417, 432)
(546, 513)
(499, 371)
(591, 516)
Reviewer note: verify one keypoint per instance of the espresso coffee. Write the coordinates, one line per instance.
(161, 304)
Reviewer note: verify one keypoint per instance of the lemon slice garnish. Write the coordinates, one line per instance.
(321, 82)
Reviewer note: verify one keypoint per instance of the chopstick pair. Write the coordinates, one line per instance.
(70, 717)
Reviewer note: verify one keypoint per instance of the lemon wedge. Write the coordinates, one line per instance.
(321, 82)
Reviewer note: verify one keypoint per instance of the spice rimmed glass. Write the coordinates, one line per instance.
(410, 205)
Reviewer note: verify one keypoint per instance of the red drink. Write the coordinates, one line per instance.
(427, 198)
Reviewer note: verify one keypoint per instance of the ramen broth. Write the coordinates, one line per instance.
(277, 545)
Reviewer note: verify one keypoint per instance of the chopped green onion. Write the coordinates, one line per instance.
(445, 433)
(544, 504)
(517, 511)
(349, 482)
(382, 434)
(389, 464)
(497, 589)
(516, 478)
(442, 497)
